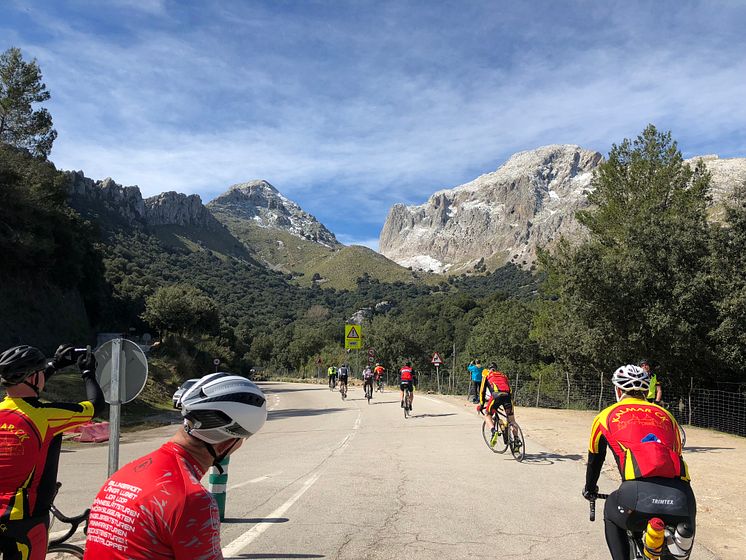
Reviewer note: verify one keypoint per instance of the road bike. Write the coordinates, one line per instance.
(379, 385)
(343, 389)
(673, 547)
(504, 437)
(407, 402)
(59, 548)
(368, 390)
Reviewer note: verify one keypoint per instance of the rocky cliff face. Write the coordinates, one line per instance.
(504, 216)
(172, 208)
(126, 202)
(264, 206)
(501, 216)
(169, 208)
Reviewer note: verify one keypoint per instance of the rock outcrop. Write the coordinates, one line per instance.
(266, 207)
(126, 202)
(502, 216)
(172, 208)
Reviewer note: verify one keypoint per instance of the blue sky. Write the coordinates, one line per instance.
(350, 107)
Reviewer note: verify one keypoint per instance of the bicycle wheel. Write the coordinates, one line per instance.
(64, 551)
(683, 436)
(406, 404)
(516, 442)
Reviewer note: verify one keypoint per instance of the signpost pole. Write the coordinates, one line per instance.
(115, 405)
(437, 375)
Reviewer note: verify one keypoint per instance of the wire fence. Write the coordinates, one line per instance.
(719, 409)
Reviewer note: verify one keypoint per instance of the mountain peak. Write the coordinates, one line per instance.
(263, 205)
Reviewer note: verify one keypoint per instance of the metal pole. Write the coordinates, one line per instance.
(601, 392)
(453, 371)
(437, 376)
(538, 389)
(115, 405)
(567, 374)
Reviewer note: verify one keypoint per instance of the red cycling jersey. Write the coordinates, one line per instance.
(644, 437)
(405, 373)
(155, 507)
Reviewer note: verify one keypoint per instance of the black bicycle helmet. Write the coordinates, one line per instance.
(19, 362)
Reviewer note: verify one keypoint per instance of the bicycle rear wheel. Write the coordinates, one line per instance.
(407, 403)
(516, 442)
(500, 445)
(64, 551)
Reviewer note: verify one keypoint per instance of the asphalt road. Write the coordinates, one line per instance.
(337, 479)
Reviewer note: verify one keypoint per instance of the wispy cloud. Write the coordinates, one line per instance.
(349, 109)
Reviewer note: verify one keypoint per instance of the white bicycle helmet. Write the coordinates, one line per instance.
(222, 406)
(631, 378)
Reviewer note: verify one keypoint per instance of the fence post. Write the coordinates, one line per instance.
(691, 388)
(538, 390)
(567, 375)
(515, 392)
(601, 391)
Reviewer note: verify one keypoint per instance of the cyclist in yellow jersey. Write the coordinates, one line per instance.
(30, 441)
(646, 444)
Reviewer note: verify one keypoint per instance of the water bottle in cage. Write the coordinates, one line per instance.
(680, 541)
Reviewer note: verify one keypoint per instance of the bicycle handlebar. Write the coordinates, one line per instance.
(592, 504)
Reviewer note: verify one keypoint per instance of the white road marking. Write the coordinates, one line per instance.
(253, 480)
(244, 540)
(357, 421)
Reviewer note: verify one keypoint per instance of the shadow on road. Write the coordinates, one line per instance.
(432, 415)
(702, 449)
(384, 402)
(279, 555)
(549, 458)
(256, 520)
(295, 412)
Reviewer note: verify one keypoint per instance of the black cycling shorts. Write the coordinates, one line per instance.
(343, 379)
(500, 399)
(636, 501)
(404, 385)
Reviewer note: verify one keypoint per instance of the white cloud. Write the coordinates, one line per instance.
(348, 117)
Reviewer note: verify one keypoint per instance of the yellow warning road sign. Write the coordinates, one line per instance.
(353, 337)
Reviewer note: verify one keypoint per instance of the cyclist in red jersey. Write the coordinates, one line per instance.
(500, 394)
(407, 379)
(30, 442)
(645, 440)
(155, 507)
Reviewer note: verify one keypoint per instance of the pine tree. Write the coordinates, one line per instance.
(21, 86)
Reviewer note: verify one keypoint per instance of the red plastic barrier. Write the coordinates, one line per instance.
(93, 432)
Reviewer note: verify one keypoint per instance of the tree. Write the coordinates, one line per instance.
(641, 285)
(183, 309)
(21, 86)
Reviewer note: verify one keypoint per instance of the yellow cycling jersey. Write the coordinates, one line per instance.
(30, 441)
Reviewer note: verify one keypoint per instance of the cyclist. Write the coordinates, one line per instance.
(407, 380)
(475, 369)
(498, 385)
(332, 372)
(155, 506)
(379, 372)
(30, 442)
(644, 438)
(655, 392)
(367, 379)
(343, 372)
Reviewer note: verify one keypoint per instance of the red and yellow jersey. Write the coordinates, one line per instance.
(495, 381)
(644, 437)
(379, 371)
(155, 507)
(30, 440)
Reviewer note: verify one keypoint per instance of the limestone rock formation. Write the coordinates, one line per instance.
(172, 208)
(126, 202)
(502, 216)
(266, 207)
